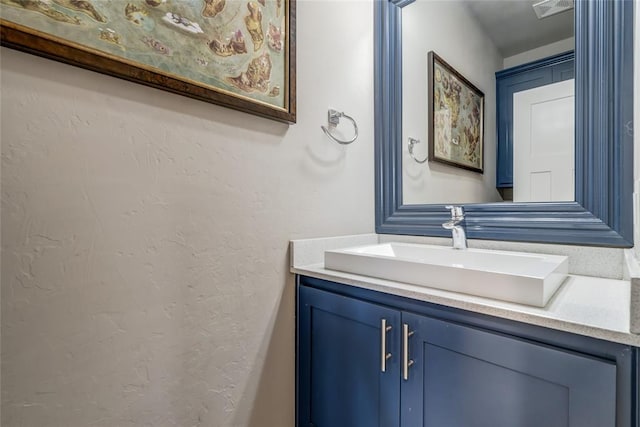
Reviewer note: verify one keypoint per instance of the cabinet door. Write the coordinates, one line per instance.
(341, 382)
(466, 377)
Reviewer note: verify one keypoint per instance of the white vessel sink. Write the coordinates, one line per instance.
(523, 278)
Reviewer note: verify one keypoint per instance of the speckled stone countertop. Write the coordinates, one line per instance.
(591, 306)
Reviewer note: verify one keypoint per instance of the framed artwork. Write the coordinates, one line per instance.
(235, 53)
(456, 117)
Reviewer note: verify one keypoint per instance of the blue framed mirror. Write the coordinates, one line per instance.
(602, 213)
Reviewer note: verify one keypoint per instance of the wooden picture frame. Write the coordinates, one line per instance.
(238, 54)
(456, 117)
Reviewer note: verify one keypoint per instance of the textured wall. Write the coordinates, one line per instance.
(144, 236)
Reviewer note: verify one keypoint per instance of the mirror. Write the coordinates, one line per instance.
(601, 211)
(485, 42)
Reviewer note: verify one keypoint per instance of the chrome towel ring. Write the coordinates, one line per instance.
(333, 119)
(412, 142)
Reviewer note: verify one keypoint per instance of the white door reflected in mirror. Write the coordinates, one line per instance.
(543, 149)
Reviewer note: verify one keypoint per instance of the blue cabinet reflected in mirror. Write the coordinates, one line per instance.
(602, 211)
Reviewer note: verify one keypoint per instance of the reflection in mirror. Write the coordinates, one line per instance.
(513, 57)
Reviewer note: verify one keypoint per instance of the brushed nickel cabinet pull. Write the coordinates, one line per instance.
(384, 356)
(406, 362)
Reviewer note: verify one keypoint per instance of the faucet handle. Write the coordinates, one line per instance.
(456, 211)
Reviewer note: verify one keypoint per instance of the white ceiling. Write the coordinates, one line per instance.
(514, 27)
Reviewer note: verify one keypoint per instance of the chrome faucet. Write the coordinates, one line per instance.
(457, 232)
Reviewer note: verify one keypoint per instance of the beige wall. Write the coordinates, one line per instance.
(144, 236)
(540, 52)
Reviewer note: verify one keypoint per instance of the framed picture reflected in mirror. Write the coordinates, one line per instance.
(456, 117)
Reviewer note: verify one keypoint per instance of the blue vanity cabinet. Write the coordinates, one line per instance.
(463, 369)
(340, 378)
(467, 377)
(516, 79)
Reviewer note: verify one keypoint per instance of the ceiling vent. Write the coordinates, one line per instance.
(547, 8)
